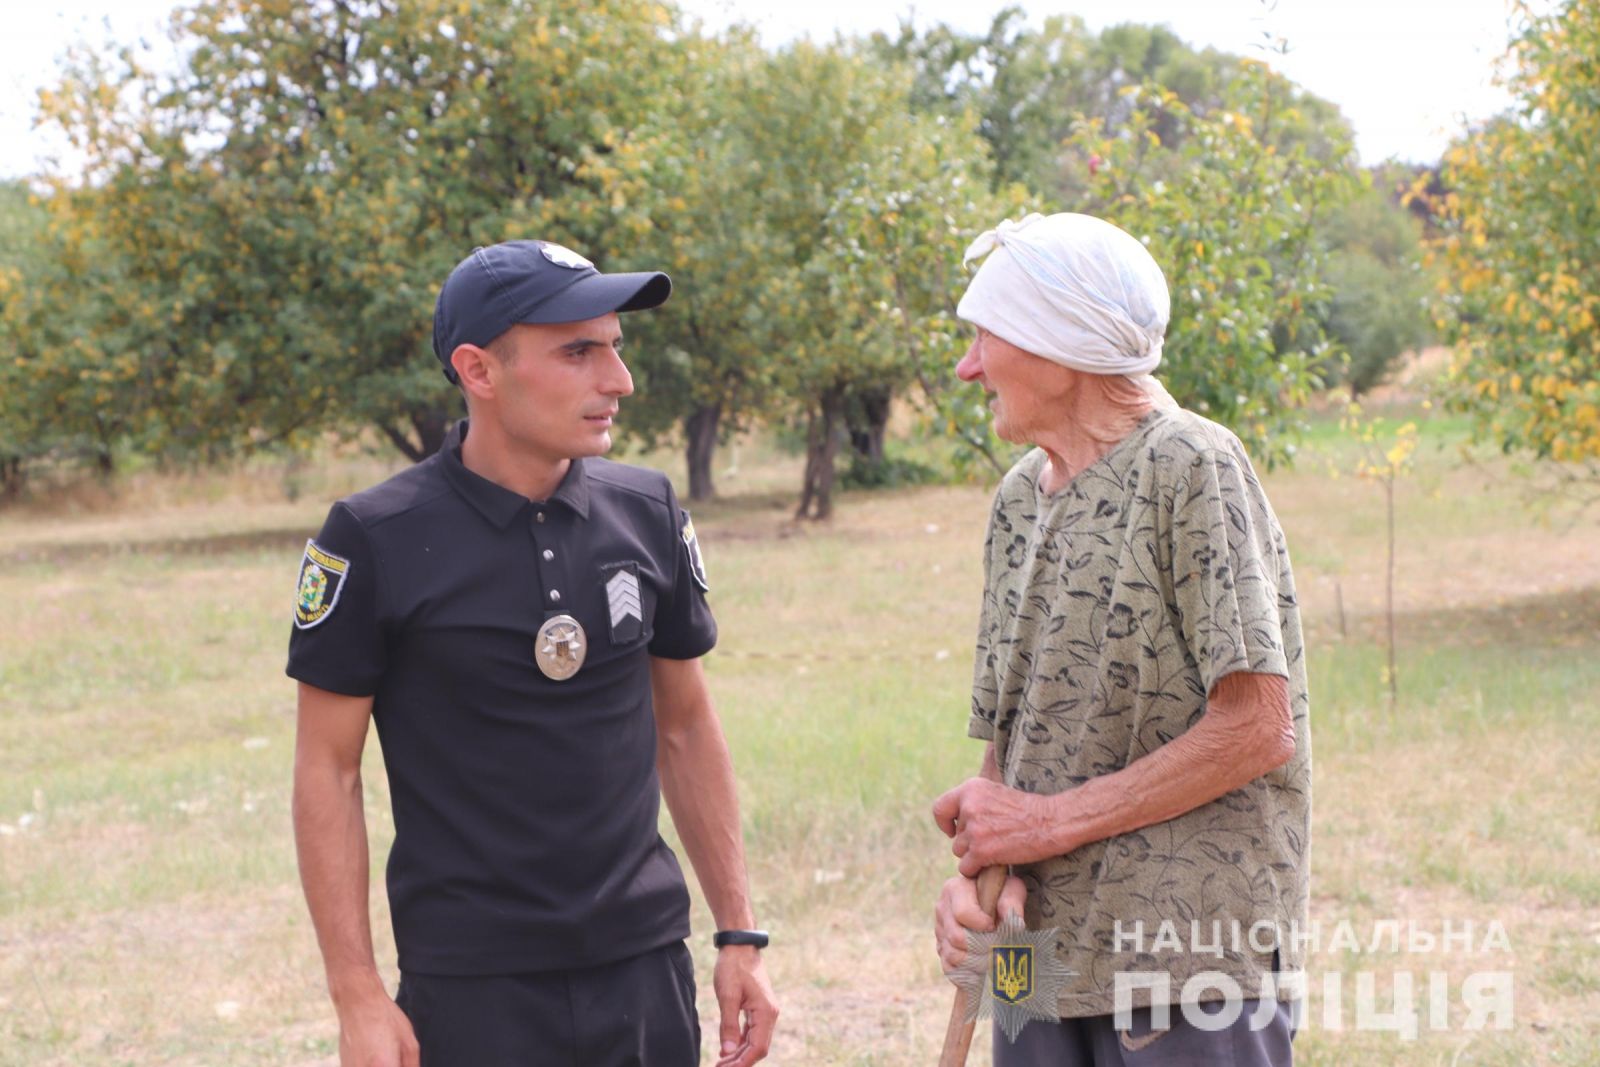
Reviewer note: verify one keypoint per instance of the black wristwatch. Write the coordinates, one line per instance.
(724, 938)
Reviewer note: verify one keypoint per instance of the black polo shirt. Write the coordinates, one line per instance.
(525, 808)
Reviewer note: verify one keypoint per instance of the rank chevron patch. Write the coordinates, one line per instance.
(622, 594)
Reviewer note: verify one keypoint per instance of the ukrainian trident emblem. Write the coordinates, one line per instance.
(1012, 973)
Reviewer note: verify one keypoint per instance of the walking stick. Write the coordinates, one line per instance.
(958, 1035)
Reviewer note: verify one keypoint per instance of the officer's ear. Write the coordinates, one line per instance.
(471, 365)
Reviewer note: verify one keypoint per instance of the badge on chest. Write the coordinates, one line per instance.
(561, 647)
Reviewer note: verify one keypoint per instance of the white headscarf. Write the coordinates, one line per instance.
(1071, 288)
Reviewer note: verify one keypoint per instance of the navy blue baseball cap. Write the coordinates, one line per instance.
(497, 287)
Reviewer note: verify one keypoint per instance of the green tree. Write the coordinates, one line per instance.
(284, 208)
(1029, 87)
(1378, 290)
(889, 273)
(58, 401)
(1232, 218)
(867, 206)
(1519, 231)
(703, 361)
(23, 435)
(813, 227)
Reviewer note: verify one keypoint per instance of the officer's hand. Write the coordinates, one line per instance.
(740, 982)
(957, 912)
(374, 1032)
(990, 824)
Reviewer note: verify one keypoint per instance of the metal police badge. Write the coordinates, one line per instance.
(1012, 974)
(561, 647)
(322, 576)
(563, 256)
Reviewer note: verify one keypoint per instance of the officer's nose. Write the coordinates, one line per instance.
(618, 380)
(971, 365)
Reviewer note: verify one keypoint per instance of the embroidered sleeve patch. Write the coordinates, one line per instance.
(697, 565)
(627, 607)
(322, 576)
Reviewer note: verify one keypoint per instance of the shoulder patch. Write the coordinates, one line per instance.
(322, 576)
(697, 564)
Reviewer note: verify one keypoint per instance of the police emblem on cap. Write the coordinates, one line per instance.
(561, 647)
(563, 256)
(322, 577)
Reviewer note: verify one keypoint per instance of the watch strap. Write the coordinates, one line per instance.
(724, 938)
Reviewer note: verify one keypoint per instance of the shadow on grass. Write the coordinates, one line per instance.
(1559, 618)
(209, 545)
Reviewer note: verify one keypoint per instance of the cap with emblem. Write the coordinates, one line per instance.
(499, 286)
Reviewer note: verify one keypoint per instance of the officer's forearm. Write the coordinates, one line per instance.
(331, 839)
(698, 785)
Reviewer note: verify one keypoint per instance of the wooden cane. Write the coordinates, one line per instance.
(958, 1035)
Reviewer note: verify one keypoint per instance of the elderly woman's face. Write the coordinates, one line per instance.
(1024, 389)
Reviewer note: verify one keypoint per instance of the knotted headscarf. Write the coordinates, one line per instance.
(1071, 288)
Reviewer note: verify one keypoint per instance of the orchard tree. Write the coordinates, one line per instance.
(891, 270)
(1520, 230)
(1378, 288)
(865, 208)
(1231, 217)
(1030, 86)
(703, 361)
(813, 227)
(284, 208)
(59, 401)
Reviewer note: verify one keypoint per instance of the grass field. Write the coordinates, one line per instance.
(149, 906)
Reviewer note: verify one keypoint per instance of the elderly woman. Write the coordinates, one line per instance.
(1139, 679)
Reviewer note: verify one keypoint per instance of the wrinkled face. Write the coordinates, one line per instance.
(1026, 392)
(556, 387)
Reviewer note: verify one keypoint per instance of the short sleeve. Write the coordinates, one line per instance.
(1225, 569)
(684, 627)
(985, 690)
(337, 639)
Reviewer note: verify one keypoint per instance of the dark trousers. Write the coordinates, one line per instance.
(637, 1012)
(1093, 1041)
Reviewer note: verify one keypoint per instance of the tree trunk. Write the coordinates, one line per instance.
(700, 432)
(429, 424)
(822, 447)
(11, 478)
(870, 423)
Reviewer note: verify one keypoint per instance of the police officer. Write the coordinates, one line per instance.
(523, 621)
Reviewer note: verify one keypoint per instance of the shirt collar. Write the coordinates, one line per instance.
(497, 503)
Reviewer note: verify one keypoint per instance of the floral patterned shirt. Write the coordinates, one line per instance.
(1110, 610)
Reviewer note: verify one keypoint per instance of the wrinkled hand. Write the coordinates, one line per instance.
(741, 985)
(993, 825)
(958, 912)
(374, 1032)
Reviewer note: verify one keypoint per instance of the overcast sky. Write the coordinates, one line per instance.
(1407, 73)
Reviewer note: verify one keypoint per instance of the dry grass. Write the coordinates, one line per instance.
(149, 912)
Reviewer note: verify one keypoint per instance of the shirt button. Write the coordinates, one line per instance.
(549, 554)
(555, 596)
(538, 516)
